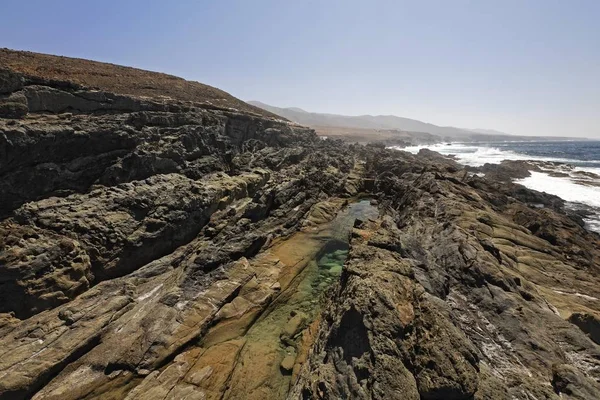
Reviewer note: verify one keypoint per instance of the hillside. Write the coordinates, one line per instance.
(376, 122)
(118, 79)
(391, 127)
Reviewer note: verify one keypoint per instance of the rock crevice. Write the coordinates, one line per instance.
(188, 246)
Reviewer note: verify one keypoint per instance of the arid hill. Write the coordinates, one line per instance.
(119, 79)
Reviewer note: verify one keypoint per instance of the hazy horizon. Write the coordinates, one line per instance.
(525, 68)
(467, 128)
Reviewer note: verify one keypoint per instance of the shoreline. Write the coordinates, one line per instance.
(577, 185)
(151, 249)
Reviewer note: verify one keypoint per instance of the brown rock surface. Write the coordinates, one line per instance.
(75, 72)
(166, 248)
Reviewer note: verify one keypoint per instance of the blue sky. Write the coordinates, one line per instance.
(524, 67)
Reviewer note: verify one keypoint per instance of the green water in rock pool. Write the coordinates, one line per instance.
(303, 295)
(327, 265)
(323, 270)
(273, 341)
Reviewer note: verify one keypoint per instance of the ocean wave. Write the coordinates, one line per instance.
(593, 224)
(477, 155)
(575, 188)
(563, 188)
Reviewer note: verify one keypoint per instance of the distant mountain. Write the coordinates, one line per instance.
(296, 109)
(378, 122)
(488, 132)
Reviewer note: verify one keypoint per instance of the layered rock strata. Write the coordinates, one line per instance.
(162, 248)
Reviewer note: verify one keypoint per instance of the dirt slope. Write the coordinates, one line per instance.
(119, 79)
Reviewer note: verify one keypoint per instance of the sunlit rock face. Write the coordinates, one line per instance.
(166, 248)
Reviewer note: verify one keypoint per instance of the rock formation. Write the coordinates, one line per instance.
(166, 244)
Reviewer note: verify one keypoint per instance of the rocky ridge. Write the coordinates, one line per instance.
(161, 248)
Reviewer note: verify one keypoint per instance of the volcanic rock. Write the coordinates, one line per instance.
(160, 239)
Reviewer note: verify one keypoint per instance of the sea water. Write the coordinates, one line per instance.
(580, 165)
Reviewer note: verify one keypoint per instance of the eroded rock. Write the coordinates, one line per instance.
(166, 248)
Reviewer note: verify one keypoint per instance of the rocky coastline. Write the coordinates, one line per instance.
(169, 247)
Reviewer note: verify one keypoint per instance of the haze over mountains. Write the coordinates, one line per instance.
(370, 122)
(390, 122)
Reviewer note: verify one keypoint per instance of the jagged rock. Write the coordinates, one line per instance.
(387, 338)
(293, 327)
(507, 170)
(287, 364)
(570, 383)
(39, 269)
(10, 81)
(12, 109)
(129, 225)
(168, 247)
(13, 106)
(588, 323)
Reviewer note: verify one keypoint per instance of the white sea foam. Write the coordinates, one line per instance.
(470, 154)
(593, 224)
(563, 188)
(476, 156)
(566, 188)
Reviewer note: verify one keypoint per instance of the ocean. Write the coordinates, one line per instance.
(580, 188)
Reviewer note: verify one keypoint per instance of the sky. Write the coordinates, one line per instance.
(529, 67)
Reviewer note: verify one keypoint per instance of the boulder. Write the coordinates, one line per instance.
(10, 81)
